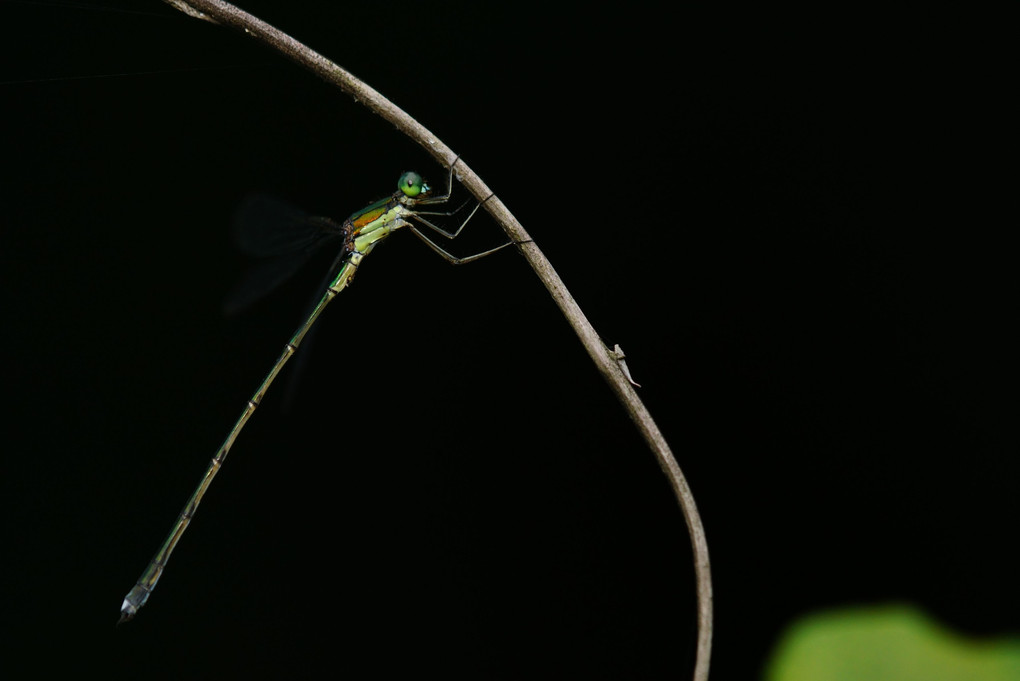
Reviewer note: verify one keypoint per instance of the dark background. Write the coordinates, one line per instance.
(782, 219)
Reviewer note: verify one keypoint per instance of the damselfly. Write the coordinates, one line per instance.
(358, 235)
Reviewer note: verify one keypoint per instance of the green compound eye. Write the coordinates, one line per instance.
(412, 184)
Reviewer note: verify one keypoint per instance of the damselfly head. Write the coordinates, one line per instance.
(413, 185)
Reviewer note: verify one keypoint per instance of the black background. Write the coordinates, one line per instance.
(779, 218)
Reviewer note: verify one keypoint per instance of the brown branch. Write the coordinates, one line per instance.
(608, 362)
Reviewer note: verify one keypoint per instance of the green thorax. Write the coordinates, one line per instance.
(375, 222)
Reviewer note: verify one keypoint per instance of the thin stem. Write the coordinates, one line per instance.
(605, 359)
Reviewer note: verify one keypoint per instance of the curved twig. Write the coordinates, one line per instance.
(609, 362)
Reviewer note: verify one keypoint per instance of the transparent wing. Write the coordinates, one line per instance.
(281, 238)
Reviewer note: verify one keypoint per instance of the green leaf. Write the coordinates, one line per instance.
(888, 643)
